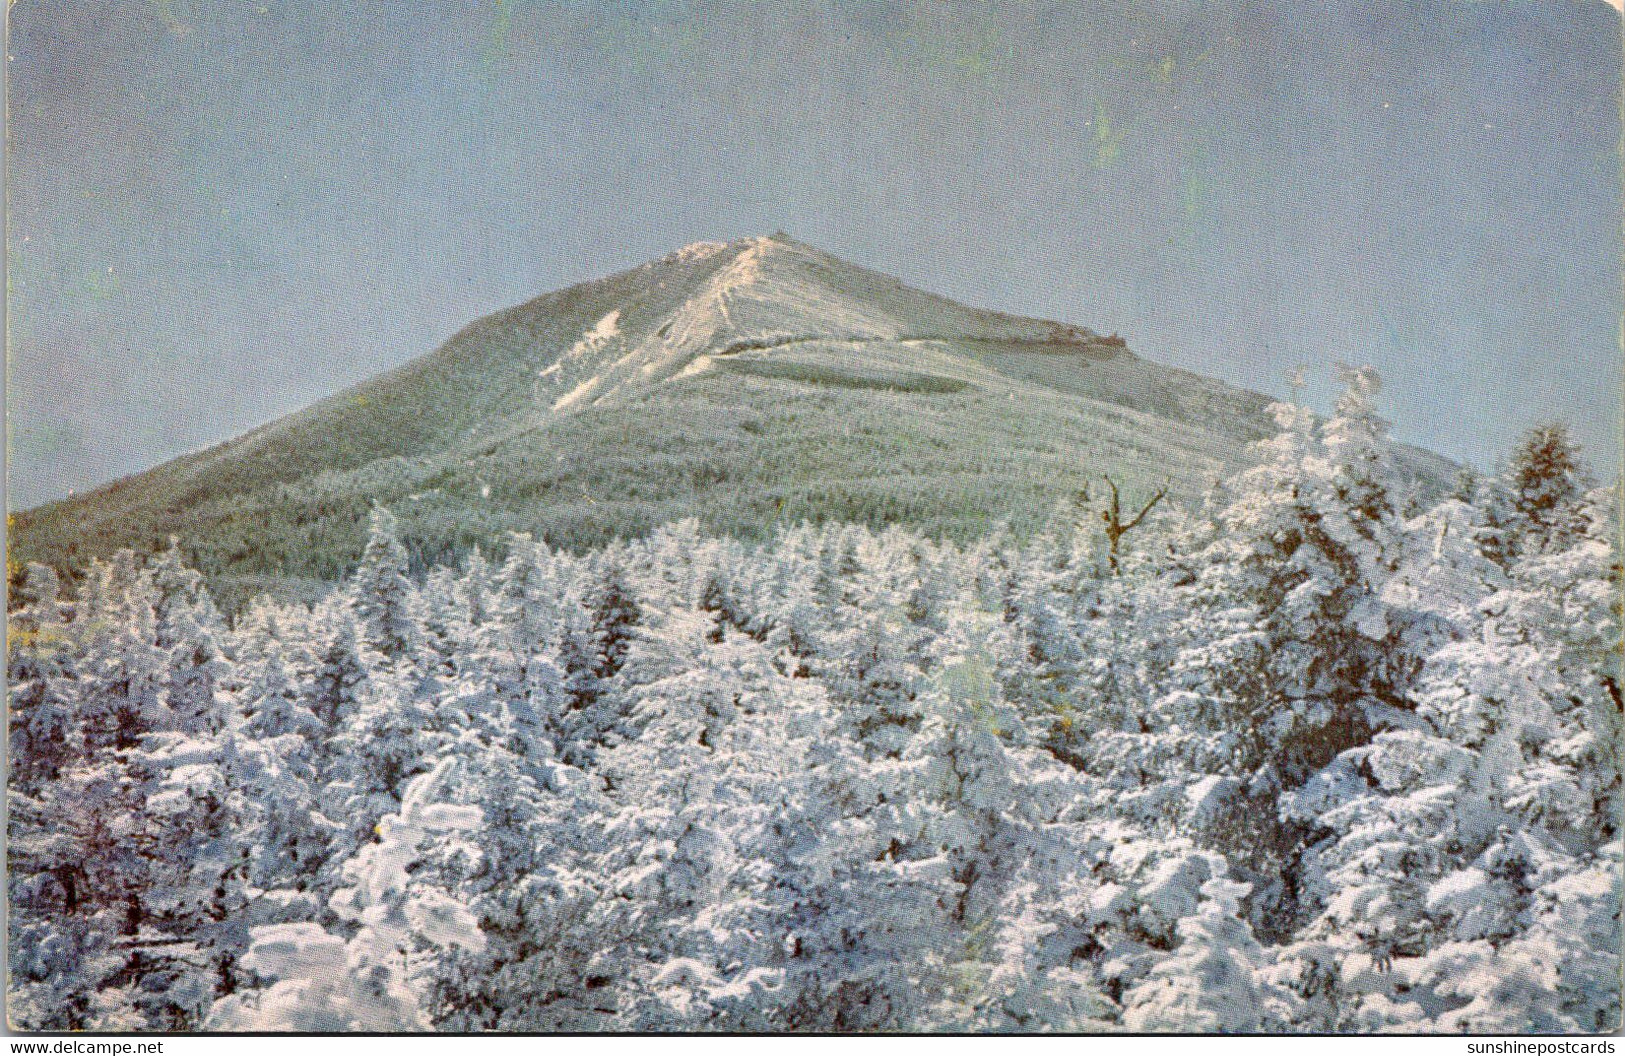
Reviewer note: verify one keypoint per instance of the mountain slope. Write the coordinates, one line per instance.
(749, 384)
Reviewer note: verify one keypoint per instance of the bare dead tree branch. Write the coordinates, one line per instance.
(1116, 527)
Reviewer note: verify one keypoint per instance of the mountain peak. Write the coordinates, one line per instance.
(750, 383)
(707, 249)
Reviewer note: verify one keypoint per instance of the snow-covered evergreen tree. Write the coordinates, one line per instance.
(1211, 983)
(320, 982)
(1547, 486)
(386, 600)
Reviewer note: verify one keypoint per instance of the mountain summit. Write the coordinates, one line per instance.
(773, 294)
(750, 384)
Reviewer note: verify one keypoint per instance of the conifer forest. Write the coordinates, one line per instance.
(1325, 751)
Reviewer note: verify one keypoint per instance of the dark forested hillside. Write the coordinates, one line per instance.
(750, 385)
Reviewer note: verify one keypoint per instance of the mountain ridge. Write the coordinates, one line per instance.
(750, 383)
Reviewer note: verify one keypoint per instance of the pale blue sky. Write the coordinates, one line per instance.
(223, 210)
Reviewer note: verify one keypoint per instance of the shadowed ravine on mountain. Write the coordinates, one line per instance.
(751, 384)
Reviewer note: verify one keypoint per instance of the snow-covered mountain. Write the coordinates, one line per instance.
(750, 383)
(1292, 762)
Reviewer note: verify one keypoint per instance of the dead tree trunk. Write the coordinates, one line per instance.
(1116, 527)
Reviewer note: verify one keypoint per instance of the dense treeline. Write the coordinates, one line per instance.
(1298, 760)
